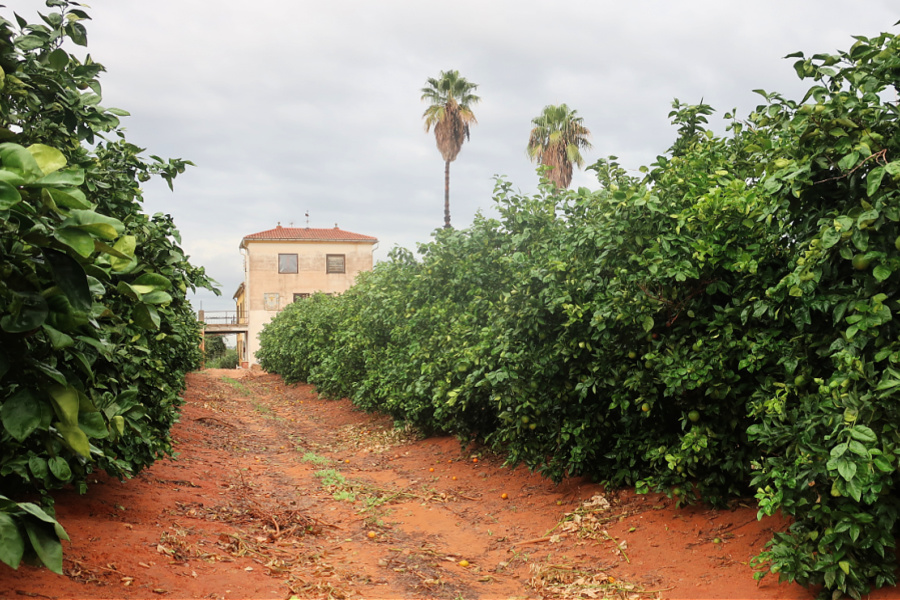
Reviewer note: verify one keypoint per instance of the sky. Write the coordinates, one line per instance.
(289, 107)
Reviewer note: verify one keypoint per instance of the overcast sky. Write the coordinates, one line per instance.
(289, 106)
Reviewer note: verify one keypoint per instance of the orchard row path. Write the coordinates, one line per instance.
(276, 493)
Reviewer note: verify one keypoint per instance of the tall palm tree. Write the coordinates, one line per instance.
(450, 113)
(556, 141)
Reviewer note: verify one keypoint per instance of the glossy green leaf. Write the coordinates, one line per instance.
(47, 158)
(873, 180)
(20, 161)
(95, 223)
(27, 312)
(12, 546)
(58, 59)
(69, 275)
(75, 438)
(128, 291)
(154, 281)
(58, 339)
(68, 197)
(45, 544)
(78, 240)
(146, 317)
(21, 414)
(60, 468)
(157, 297)
(9, 196)
(38, 467)
(93, 425)
(65, 403)
(66, 180)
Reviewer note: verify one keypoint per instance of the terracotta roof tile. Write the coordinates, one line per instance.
(308, 233)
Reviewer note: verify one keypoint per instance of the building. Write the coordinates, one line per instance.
(286, 264)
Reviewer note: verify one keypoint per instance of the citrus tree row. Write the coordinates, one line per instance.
(720, 326)
(96, 334)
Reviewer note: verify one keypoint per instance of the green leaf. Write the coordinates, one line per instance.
(12, 546)
(146, 317)
(9, 196)
(845, 567)
(881, 272)
(846, 468)
(648, 323)
(21, 414)
(858, 448)
(128, 291)
(154, 281)
(65, 403)
(863, 434)
(78, 240)
(69, 275)
(75, 438)
(95, 223)
(58, 339)
(20, 161)
(38, 467)
(157, 297)
(873, 180)
(48, 159)
(46, 545)
(68, 180)
(93, 425)
(58, 59)
(27, 311)
(30, 42)
(69, 197)
(60, 468)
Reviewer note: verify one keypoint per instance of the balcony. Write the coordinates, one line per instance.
(223, 321)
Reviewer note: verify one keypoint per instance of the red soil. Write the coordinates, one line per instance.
(246, 511)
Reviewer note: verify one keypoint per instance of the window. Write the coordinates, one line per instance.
(287, 263)
(334, 263)
(300, 296)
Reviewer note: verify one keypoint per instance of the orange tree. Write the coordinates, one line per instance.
(96, 333)
(719, 326)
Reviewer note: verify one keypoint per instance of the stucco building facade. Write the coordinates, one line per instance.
(286, 264)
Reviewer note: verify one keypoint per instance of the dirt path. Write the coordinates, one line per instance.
(276, 493)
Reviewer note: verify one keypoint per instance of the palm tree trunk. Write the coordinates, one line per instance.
(446, 194)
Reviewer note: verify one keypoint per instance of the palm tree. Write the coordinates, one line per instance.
(556, 142)
(450, 113)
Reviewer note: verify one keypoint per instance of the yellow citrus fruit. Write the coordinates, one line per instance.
(504, 496)
(464, 563)
(371, 535)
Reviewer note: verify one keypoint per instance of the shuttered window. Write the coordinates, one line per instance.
(335, 263)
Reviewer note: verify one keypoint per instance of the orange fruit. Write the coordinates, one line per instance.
(431, 470)
(504, 496)
(464, 563)
(475, 460)
(371, 535)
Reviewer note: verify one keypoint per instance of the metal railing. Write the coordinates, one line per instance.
(222, 317)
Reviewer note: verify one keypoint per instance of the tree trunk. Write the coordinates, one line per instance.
(446, 194)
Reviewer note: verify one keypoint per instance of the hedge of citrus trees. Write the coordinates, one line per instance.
(720, 326)
(96, 333)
